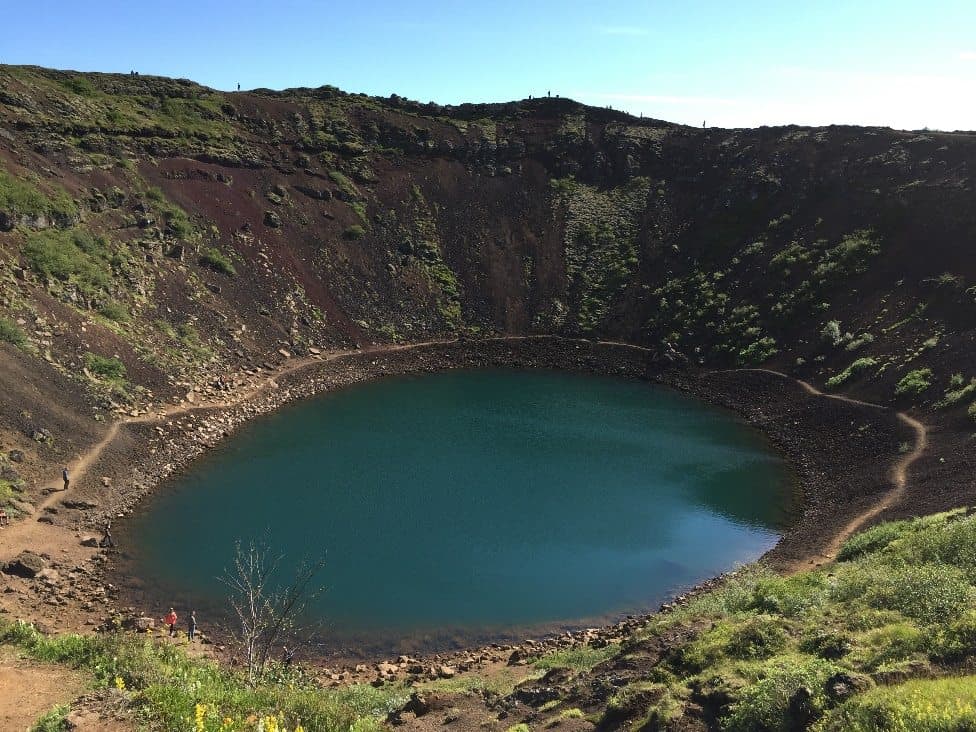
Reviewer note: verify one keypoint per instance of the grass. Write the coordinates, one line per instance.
(897, 604)
(74, 257)
(355, 231)
(104, 367)
(11, 333)
(578, 659)
(345, 184)
(166, 688)
(24, 197)
(216, 260)
(930, 705)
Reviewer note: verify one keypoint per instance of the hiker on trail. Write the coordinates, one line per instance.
(64, 477)
(289, 655)
(4, 519)
(170, 620)
(238, 86)
(107, 539)
(191, 625)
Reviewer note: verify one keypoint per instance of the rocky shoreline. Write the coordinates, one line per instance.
(792, 419)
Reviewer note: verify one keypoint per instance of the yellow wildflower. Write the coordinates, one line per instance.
(120, 683)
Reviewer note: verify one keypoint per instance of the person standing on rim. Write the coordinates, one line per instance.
(170, 620)
(64, 477)
(191, 626)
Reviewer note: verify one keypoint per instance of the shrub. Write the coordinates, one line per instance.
(859, 365)
(216, 260)
(940, 705)
(758, 351)
(789, 596)
(11, 333)
(770, 703)
(54, 721)
(873, 539)
(914, 382)
(354, 232)
(891, 643)
(105, 367)
(957, 642)
(116, 311)
(931, 593)
(759, 637)
(957, 391)
(831, 333)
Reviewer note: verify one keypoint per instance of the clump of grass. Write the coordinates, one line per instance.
(578, 659)
(104, 366)
(115, 311)
(858, 365)
(345, 185)
(56, 720)
(217, 261)
(355, 231)
(914, 382)
(768, 703)
(11, 333)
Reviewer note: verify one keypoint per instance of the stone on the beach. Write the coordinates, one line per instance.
(90, 541)
(26, 564)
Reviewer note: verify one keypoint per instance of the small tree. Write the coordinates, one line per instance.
(268, 612)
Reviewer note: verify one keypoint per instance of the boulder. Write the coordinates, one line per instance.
(26, 564)
(446, 672)
(272, 219)
(91, 541)
(16, 456)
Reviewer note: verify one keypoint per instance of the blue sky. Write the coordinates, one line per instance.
(727, 62)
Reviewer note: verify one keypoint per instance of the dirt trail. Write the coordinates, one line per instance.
(899, 470)
(28, 690)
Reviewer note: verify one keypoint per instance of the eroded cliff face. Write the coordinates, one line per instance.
(156, 234)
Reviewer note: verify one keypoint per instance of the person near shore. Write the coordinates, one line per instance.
(288, 655)
(107, 540)
(170, 620)
(64, 477)
(191, 625)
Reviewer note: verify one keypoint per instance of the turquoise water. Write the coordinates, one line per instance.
(470, 503)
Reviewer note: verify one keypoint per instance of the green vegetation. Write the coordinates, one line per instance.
(354, 232)
(73, 257)
(24, 197)
(914, 382)
(345, 184)
(578, 659)
(766, 652)
(859, 365)
(600, 243)
(930, 705)
(216, 260)
(11, 333)
(178, 223)
(114, 311)
(104, 367)
(165, 687)
(958, 391)
(54, 721)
